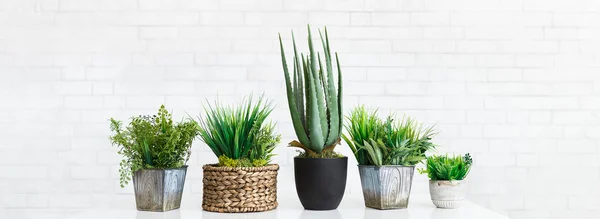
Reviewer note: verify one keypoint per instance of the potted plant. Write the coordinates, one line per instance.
(316, 110)
(446, 174)
(243, 180)
(387, 152)
(155, 151)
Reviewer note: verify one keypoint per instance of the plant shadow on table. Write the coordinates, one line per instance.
(384, 214)
(332, 214)
(174, 214)
(248, 215)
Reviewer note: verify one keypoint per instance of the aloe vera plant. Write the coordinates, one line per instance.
(315, 103)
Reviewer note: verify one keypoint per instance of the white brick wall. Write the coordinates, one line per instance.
(514, 82)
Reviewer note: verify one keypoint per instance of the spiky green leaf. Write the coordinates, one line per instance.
(294, 112)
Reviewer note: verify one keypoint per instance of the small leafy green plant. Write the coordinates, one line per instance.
(315, 103)
(374, 141)
(444, 167)
(239, 135)
(152, 142)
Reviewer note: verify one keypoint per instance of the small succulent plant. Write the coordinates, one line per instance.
(445, 167)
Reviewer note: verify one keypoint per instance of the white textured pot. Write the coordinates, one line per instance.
(447, 194)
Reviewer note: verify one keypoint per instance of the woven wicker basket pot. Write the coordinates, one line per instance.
(239, 189)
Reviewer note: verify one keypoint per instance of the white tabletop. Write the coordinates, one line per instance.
(291, 209)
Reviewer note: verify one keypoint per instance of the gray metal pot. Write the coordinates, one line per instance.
(159, 189)
(386, 187)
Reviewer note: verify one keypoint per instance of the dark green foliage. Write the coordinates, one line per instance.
(445, 167)
(237, 134)
(389, 142)
(152, 142)
(264, 143)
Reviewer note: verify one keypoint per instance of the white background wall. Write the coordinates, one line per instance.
(514, 82)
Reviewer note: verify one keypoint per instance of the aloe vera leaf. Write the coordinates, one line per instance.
(299, 90)
(335, 117)
(313, 119)
(296, 121)
(339, 99)
(318, 88)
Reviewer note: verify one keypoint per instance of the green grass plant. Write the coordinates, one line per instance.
(239, 135)
(392, 141)
(445, 167)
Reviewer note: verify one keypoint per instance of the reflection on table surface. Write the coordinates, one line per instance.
(418, 209)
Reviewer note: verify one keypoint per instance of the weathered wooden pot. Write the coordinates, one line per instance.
(239, 189)
(386, 187)
(447, 194)
(159, 189)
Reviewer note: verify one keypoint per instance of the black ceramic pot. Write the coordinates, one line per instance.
(320, 182)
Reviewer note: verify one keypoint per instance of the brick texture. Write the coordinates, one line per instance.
(514, 82)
